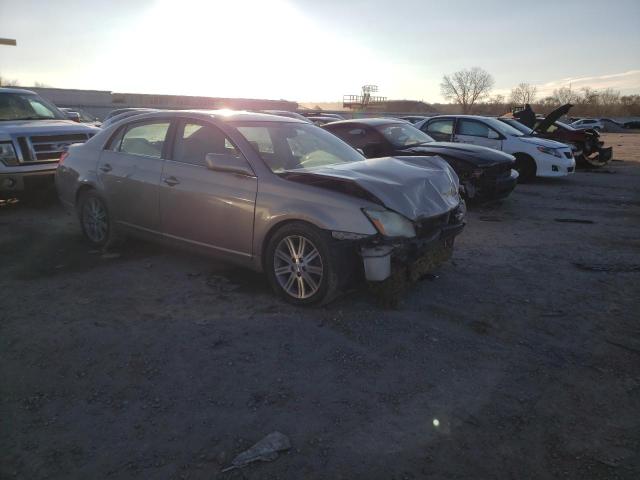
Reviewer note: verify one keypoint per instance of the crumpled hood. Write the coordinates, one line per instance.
(474, 154)
(543, 142)
(37, 127)
(416, 187)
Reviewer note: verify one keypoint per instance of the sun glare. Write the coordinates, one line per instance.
(237, 49)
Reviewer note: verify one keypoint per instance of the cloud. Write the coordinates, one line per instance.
(626, 82)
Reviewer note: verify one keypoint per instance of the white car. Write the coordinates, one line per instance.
(585, 123)
(535, 157)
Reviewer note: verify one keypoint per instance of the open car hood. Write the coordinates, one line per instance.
(549, 120)
(416, 187)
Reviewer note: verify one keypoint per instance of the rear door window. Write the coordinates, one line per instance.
(442, 127)
(146, 139)
(473, 128)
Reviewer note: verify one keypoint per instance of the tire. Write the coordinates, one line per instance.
(526, 167)
(96, 221)
(308, 279)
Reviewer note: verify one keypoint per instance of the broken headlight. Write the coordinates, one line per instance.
(390, 224)
(8, 154)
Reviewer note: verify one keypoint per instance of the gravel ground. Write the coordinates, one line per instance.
(519, 359)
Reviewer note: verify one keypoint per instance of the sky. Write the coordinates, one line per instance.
(318, 50)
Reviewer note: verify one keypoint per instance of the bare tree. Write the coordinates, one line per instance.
(609, 96)
(523, 93)
(466, 87)
(565, 95)
(5, 82)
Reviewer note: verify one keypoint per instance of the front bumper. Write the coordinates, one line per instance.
(21, 181)
(409, 259)
(556, 167)
(496, 187)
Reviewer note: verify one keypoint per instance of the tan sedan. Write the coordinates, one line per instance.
(270, 193)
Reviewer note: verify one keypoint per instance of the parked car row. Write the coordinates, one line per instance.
(587, 147)
(315, 208)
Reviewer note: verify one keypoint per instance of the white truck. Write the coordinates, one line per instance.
(33, 135)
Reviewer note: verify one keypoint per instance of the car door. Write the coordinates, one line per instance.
(477, 132)
(129, 172)
(440, 129)
(214, 209)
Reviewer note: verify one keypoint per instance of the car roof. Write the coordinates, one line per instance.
(223, 115)
(16, 90)
(477, 117)
(369, 121)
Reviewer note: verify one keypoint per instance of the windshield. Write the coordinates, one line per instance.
(24, 106)
(403, 134)
(293, 146)
(502, 127)
(518, 126)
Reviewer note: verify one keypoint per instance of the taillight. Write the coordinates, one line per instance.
(63, 157)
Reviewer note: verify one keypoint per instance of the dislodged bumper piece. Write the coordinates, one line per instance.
(412, 258)
(601, 158)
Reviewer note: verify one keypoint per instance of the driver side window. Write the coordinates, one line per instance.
(195, 140)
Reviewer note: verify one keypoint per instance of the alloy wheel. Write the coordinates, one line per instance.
(297, 264)
(95, 220)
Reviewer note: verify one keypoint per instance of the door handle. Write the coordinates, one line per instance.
(106, 168)
(171, 181)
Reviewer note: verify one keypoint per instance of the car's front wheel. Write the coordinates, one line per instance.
(96, 222)
(300, 266)
(526, 167)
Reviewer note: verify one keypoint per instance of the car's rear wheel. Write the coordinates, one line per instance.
(300, 266)
(526, 167)
(96, 222)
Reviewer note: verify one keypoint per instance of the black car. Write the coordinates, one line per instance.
(485, 174)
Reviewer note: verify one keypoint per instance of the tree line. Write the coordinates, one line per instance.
(469, 90)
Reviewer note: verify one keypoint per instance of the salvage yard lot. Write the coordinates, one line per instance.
(156, 363)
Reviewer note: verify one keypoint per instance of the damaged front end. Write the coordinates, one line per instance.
(410, 258)
(594, 154)
(414, 205)
(391, 263)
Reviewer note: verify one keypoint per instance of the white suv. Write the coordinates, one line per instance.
(535, 157)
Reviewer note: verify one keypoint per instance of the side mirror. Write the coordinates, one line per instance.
(360, 151)
(372, 150)
(493, 135)
(75, 116)
(223, 162)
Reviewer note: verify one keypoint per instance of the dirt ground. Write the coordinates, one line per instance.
(519, 359)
